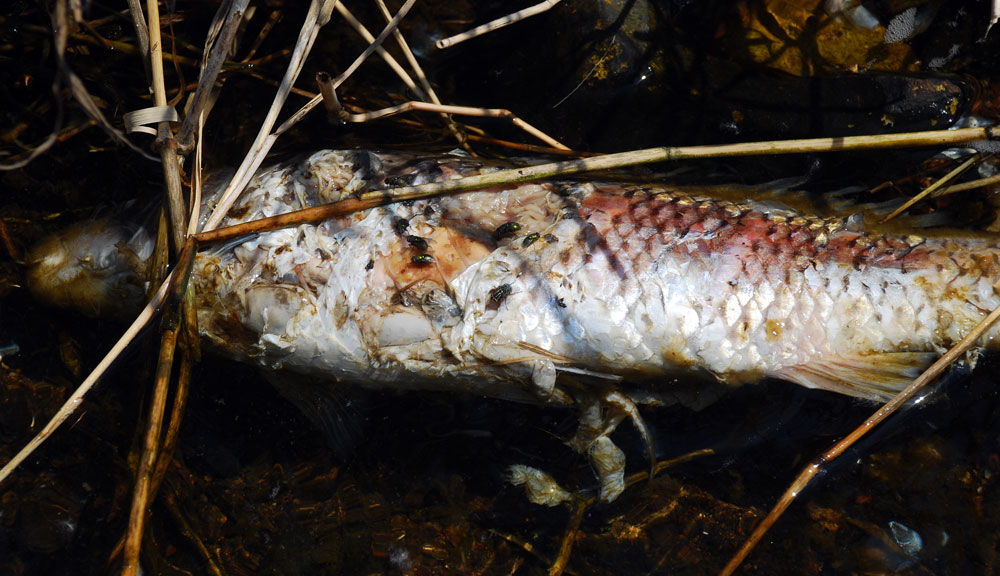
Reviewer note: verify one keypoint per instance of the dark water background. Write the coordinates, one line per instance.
(419, 488)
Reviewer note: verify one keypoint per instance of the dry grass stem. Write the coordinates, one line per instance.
(143, 492)
(60, 27)
(394, 65)
(220, 44)
(966, 186)
(175, 320)
(445, 110)
(577, 166)
(336, 82)
(76, 398)
(273, 18)
(958, 171)
(810, 471)
(316, 18)
(141, 34)
(165, 137)
(497, 24)
(566, 545)
(419, 71)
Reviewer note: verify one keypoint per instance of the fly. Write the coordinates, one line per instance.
(417, 242)
(422, 259)
(498, 295)
(506, 229)
(401, 224)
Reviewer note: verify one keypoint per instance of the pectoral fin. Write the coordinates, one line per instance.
(877, 376)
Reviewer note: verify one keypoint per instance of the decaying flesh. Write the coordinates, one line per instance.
(554, 292)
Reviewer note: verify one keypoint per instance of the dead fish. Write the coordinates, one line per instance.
(594, 294)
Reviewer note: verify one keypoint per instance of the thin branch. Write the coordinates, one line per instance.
(605, 162)
(958, 171)
(72, 403)
(317, 17)
(393, 64)
(298, 116)
(446, 110)
(497, 24)
(210, 71)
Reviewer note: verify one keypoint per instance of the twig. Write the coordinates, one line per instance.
(972, 161)
(497, 24)
(455, 130)
(445, 109)
(605, 162)
(966, 186)
(168, 146)
(144, 484)
(298, 116)
(210, 71)
(810, 471)
(73, 402)
(393, 64)
(144, 476)
(317, 17)
(569, 538)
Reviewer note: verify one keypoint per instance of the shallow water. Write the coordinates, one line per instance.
(419, 487)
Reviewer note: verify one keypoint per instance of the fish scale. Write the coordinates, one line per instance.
(641, 282)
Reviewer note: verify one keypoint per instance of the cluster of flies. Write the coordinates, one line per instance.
(505, 230)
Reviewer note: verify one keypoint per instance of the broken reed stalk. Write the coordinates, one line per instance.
(165, 136)
(143, 491)
(497, 24)
(606, 162)
(816, 466)
(210, 72)
(317, 17)
(141, 495)
(447, 110)
(419, 71)
(343, 76)
(958, 171)
(174, 321)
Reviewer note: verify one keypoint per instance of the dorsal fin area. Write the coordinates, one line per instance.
(877, 376)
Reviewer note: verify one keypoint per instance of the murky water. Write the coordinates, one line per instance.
(418, 486)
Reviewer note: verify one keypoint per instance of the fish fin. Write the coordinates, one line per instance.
(334, 409)
(877, 376)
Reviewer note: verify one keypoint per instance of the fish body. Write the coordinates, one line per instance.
(618, 279)
(552, 292)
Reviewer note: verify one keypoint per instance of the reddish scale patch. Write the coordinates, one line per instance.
(709, 227)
